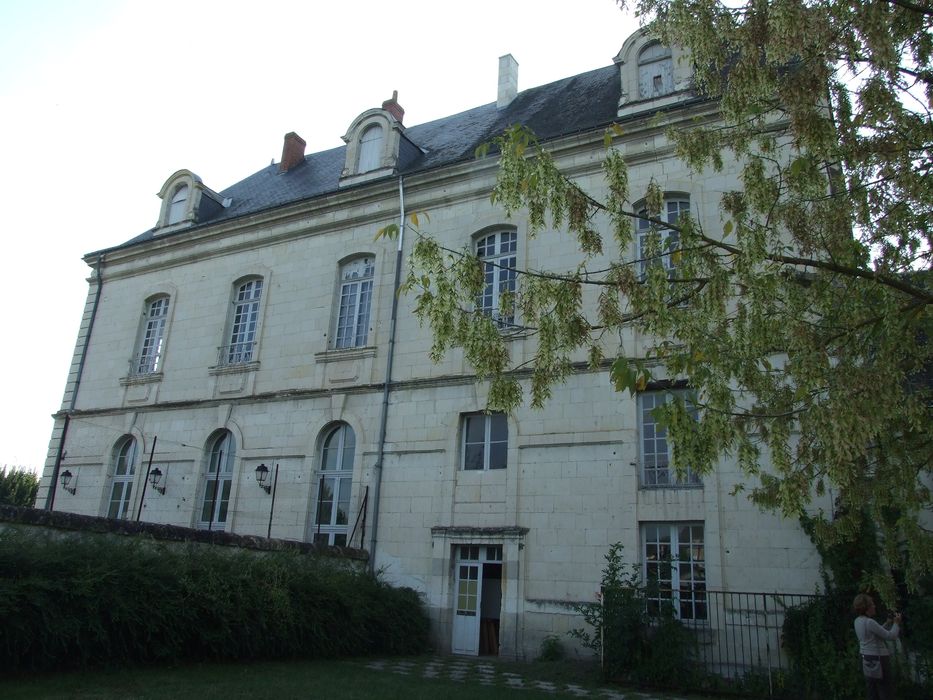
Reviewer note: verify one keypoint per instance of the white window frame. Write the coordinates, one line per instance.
(655, 63)
(355, 303)
(674, 206)
(674, 568)
(244, 323)
(335, 486)
(152, 337)
(178, 207)
(480, 452)
(654, 444)
(124, 475)
(371, 144)
(497, 252)
(218, 482)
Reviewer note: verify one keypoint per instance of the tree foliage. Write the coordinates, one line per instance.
(802, 323)
(18, 487)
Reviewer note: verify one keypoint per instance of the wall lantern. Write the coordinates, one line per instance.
(66, 479)
(262, 477)
(155, 477)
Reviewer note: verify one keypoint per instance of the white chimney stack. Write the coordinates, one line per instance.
(508, 81)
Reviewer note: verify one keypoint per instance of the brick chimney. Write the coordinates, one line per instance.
(293, 152)
(508, 81)
(393, 107)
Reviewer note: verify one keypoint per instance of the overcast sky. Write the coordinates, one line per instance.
(102, 100)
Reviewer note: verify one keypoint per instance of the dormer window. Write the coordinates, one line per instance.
(655, 71)
(652, 75)
(377, 146)
(186, 201)
(370, 149)
(176, 210)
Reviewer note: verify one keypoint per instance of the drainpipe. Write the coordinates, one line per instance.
(383, 420)
(50, 498)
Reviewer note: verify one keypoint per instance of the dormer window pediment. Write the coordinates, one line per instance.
(374, 143)
(187, 201)
(652, 75)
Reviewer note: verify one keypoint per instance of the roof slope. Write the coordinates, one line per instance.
(572, 105)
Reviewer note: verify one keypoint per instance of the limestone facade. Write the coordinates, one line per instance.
(533, 534)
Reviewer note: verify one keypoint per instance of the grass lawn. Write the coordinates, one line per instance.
(333, 680)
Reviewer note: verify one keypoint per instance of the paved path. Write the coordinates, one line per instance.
(467, 670)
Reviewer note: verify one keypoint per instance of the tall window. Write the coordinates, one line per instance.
(370, 149)
(496, 251)
(124, 472)
(243, 324)
(356, 293)
(178, 205)
(485, 441)
(655, 446)
(149, 358)
(675, 569)
(218, 481)
(334, 483)
(670, 240)
(655, 71)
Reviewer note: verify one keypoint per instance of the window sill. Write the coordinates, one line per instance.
(344, 354)
(135, 379)
(240, 368)
(669, 487)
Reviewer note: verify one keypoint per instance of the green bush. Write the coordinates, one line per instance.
(18, 487)
(68, 601)
(636, 647)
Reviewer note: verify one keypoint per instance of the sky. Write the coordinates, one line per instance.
(102, 100)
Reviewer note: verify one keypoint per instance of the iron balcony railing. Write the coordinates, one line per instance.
(142, 365)
(236, 353)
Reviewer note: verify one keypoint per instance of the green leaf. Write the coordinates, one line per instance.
(622, 376)
(389, 231)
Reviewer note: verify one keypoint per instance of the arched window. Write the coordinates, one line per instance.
(335, 480)
(148, 359)
(497, 253)
(218, 481)
(176, 210)
(124, 473)
(370, 156)
(655, 71)
(674, 207)
(356, 293)
(243, 324)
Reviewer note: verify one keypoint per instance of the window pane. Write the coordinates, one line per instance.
(475, 429)
(225, 485)
(498, 452)
(326, 501)
(370, 149)
(499, 427)
(473, 457)
(343, 501)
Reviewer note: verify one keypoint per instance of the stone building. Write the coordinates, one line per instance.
(253, 333)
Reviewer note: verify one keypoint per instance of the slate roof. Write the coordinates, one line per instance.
(571, 105)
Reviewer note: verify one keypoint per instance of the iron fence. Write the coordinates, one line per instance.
(741, 633)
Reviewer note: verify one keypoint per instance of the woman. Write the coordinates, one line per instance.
(876, 658)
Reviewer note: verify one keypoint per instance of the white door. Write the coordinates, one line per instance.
(466, 603)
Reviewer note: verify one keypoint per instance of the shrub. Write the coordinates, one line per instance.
(69, 601)
(18, 487)
(635, 646)
(551, 649)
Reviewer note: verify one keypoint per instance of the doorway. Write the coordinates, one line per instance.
(477, 599)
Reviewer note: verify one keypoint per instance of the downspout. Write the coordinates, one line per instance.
(384, 418)
(50, 498)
